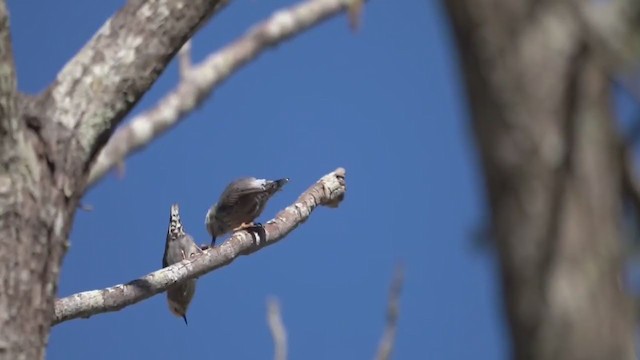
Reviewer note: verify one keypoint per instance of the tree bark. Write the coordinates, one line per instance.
(539, 99)
(34, 220)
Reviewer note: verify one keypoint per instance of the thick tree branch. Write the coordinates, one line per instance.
(277, 328)
(198, 81)
(388, 338)
(328, 191)
(101, 84)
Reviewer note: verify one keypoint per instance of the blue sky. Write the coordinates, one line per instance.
(385, 103)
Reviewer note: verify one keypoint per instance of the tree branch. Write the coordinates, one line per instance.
(101, 84)
(278, 331)
(388, 338)
(328, 191)
(184, 59)
(198, 81)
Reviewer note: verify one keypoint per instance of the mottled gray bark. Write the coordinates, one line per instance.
(30, 234)
(539, 97)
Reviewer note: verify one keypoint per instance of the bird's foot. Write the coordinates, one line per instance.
(258, 233)
(244, 226)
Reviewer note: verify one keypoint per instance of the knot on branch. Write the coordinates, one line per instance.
(335, 186)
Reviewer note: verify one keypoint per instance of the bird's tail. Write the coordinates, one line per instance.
(175, 225)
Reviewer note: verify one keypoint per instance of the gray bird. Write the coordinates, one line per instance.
(240, 204)
(179, 246)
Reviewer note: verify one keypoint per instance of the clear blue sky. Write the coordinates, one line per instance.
(385, 103)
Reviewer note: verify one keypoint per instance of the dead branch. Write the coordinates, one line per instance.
(328, 191)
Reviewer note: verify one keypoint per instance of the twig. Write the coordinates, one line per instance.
(388, 338)
(328, 191)
(184, 59)
(201, 79)
(85, 207)
(278, 331)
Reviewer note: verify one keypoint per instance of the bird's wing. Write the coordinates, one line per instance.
(239, 188)
(190, 247)
(164, 258)
(166, 249)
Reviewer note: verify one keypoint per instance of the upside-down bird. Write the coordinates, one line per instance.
(179, 246)
(240, 204)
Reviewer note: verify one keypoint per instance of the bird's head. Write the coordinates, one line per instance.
(178, 310)
(214, 226)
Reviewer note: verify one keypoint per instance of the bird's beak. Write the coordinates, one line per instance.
(185, 319)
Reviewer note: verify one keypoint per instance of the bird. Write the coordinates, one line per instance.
(179, 246)
(241, 202)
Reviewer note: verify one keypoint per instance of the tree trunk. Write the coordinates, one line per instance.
(541, 116)
(34, 224)
(34, 220)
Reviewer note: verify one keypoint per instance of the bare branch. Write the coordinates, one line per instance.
(328, 191)
(101, 84)
(388, 338)
(278, 331)
(184, 59)
(201, 79)
(355, 13)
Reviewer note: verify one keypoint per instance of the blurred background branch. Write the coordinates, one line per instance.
(385, 348)
(277, 328)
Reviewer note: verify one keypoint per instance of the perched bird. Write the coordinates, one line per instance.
(240, 203)
(179, 246)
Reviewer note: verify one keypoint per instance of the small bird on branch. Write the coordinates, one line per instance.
(240, 204)
(179, 246)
